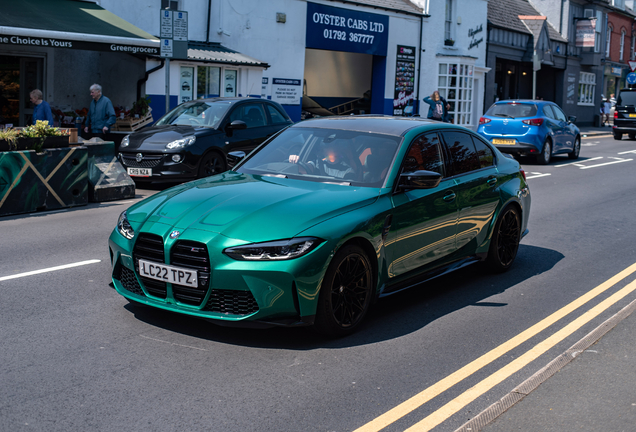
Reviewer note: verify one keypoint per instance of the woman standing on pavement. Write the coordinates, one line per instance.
(438, 107)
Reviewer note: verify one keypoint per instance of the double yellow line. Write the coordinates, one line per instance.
(455, 405)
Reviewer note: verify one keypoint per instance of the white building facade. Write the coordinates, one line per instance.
(320, 56)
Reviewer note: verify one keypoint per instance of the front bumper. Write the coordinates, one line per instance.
(237, 293)
(162, 166)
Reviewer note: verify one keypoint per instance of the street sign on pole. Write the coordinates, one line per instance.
(631, 78)
(632, 65)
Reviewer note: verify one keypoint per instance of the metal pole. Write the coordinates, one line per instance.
(167, 85)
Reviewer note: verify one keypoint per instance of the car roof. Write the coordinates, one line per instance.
(371, 123)
(526, 101)
(231, 99)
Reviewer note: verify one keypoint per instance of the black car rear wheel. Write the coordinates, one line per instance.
(345, 293)
(618, 136)
(576, 149)
(212, 163)
(546, 153)
(505, 240)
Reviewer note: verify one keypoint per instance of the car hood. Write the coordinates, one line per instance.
(156, 137)
(247, 207)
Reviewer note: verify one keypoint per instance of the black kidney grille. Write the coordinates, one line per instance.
(150, 247)
(146, 162)
(231, 302)
(191, 255)
(129, 281)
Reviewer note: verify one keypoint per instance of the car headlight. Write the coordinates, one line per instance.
(125, 142)
(275, 250)
(124, 227)
(180, 143)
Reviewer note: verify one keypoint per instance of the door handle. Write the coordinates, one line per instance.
(450, 196)
(492, 181)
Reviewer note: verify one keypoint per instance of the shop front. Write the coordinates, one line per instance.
(62, 47)
(614, 75)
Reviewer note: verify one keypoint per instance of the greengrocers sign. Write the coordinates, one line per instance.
(338, 29)
(65, 43)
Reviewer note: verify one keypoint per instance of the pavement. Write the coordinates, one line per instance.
(590, 131)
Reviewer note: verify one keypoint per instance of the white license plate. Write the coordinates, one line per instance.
(168, 273)
(140, 172)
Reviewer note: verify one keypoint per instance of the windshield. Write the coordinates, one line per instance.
(326, 155)
(198, 113)
(626, 98)
(512, 110)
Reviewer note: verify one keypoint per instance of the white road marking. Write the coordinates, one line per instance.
(579, 164)
(626, 152)
(608, 163)
(50, 269)
(537, 175)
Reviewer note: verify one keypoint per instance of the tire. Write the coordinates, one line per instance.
(212, 163)
(345, 293)
(576, 150)
(504, 242)
(618, 136)
(632, 136)
(546, 153)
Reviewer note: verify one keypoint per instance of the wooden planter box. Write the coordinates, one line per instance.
(53, 179)
(29, 143)
(132, 124)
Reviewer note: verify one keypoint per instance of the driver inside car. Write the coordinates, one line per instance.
(332, 164)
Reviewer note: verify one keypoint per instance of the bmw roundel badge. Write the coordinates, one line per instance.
(174, 234)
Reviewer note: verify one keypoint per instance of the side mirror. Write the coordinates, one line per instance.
(419, 180)
(234, 157)
(572, 119)
(235, 125)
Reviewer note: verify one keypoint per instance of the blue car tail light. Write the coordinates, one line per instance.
(484, 120)
(533, 122)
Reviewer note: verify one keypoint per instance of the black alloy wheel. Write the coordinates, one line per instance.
(504, 243)
(212, 163)
(546, 153)
(345, 294)
(576, 150)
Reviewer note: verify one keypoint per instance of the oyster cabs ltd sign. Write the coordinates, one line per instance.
(48, 42)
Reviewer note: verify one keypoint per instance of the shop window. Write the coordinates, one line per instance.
(186, 84)
(455, 84)
(208, 82)
(587, 88)
(230, 83)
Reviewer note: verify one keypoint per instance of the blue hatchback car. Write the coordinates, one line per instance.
(531, 128)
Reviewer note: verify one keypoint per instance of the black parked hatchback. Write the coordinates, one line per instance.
(194, 139)
(625, 114)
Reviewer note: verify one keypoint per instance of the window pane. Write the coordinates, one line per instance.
(462, 150)
(485, 154)
(424, 154)
(208, 82)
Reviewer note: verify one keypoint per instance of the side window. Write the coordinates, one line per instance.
(424, 154)
(252, 114)
(485, 154)
(559, 114)
(275, 115)
(547, 110)
(462, 152)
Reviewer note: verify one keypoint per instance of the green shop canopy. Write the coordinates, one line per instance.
(74, 24)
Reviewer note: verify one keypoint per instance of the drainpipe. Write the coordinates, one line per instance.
(207, 32)
(419, 68)
(145, 78)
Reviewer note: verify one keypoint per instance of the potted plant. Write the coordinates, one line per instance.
(449, 42)
(34, 137)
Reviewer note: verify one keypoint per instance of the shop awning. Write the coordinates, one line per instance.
(74, 24)
(216, 53)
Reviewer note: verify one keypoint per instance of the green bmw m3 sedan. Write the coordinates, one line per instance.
(320, 221)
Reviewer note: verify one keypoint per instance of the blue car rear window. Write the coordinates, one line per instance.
(512, 110)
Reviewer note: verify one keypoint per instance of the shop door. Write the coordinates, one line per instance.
(31, 78)
(230, 83)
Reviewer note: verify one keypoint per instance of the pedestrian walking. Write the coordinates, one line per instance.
(101, 114)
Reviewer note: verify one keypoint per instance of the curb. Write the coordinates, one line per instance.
(524, 389)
